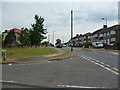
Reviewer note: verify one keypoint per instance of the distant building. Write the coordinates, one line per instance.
(17, 34)
(106, 35)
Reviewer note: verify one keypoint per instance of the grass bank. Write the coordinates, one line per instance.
(29, 52)
(65, 55)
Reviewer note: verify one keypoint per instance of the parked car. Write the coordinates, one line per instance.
(64, 45)
(97, 44)
(59, 46)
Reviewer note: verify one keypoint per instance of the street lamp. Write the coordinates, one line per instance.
(48, 39)
(105, 20)
(105, 28)
(53, 37)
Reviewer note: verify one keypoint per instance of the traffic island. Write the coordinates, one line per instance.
(66, 54)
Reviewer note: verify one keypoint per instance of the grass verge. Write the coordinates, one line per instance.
(29, 52)
(13, 53)
(65, 55)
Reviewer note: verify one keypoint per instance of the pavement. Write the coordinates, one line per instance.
(39, 58)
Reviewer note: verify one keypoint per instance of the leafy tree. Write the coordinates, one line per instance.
(24, 37)
(45, 43)
(37, 33)
(10, 39)
(58, 41)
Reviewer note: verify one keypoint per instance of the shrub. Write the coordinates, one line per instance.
(87, 44)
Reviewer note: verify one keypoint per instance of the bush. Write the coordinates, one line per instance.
(117, 44)
(87, 44)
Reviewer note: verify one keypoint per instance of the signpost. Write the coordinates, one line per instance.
(4, 54)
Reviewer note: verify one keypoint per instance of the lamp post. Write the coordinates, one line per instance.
(48, 39)
(53, 37)
(104, 28)
(105, 20)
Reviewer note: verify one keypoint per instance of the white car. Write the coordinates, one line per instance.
(97, 44)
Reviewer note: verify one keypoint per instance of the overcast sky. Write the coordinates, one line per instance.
(87, 16)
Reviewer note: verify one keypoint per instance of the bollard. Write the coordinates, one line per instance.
(83, 46)
(89, 47)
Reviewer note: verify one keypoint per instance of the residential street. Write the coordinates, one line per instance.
(96, 68)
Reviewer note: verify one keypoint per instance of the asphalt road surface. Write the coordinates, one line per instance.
(107, 56)
(81, 71)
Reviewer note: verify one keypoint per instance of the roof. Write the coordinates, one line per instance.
(87, 34)
(15, 30)
(115, 27)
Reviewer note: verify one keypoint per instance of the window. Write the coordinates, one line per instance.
(104, 34)
(84, 37)
(96, 35)
(113, 32)
(101, 35)
(88, 37)
(108, 33)
(104, 41)
(113, 39)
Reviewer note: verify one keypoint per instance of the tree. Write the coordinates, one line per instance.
(10, 39)
(37, 32)
(58, 41)
(24, 37)
(45, 43)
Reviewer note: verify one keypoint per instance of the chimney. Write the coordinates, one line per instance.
(104, 26)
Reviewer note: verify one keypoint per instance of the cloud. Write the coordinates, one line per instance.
(87, 16)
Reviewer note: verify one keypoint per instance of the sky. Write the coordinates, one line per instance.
(87, 16)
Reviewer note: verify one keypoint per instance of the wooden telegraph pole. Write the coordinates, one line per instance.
(71, 29)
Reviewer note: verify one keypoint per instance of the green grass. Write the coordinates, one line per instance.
(29, 52)
(65, 55)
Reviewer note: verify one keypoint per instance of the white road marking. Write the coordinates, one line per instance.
(101, 64)
(78, 86)
(8, 81)
(115, 53)
(9, 64)
(49, 61)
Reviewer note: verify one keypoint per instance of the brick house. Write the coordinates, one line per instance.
(106, 35)
(17, 34)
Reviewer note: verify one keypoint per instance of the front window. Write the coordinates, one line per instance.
(101, 35)
(104, 34)
(113, 39)
(108, 33)
(113, 32)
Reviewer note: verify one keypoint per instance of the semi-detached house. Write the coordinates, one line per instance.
(106, 35)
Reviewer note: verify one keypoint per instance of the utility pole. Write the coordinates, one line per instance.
(63, 39)
(48, 39)
(71, 29)
(53, 37)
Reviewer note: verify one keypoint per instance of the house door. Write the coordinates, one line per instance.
(108, 41)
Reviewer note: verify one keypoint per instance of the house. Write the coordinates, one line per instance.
(17, 34)
(106, 35)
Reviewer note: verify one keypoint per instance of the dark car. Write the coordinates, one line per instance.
(59, 46)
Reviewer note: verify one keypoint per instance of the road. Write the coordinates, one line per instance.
(80, 71)
(106, 56)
